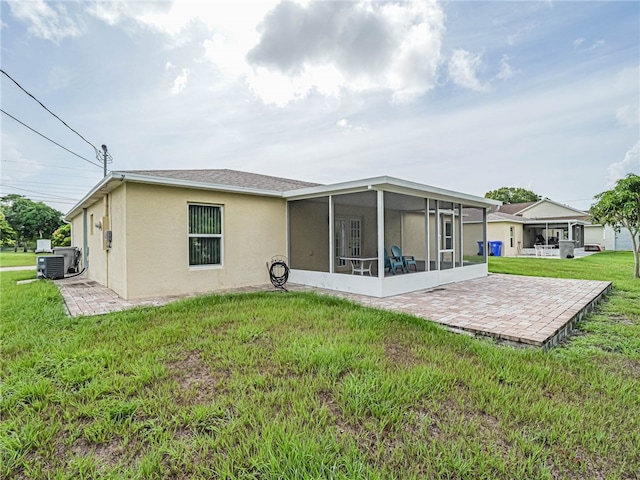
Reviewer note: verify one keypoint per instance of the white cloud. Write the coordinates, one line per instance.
(463, 67)
(180, 83)
(628, 115)
(49, 21)
(345, 125)
(354, 46)
(580, 42)
(629, 164)
(506, 72)
(286, 50)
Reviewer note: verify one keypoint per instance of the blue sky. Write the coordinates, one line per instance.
(470, 96)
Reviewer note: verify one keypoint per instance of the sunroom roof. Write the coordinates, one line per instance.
(390, 184)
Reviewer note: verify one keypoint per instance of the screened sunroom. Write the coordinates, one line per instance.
(382, 236)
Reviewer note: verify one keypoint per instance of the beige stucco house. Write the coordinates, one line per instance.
(168, 232)
(521, 226)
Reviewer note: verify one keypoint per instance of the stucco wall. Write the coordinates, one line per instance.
(309, 240)
(392, 228)
(546, 210)
(254, 230)
(413, 235)
(496, 231)
(368, 216)
(594, 234)
(105, 266)
(472, 235)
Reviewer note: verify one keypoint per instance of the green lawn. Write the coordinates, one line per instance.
(292, 385)
(18, 259)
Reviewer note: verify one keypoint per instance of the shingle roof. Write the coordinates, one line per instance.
(513, 208)
(227, 177)
(474, 215)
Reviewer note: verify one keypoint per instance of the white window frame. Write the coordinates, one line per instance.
(211, 235)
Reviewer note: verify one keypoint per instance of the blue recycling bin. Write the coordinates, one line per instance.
(495, 248)
(480, 247)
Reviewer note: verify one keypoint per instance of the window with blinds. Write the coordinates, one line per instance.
(205, 235)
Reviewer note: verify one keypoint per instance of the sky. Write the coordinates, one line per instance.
(468, 96)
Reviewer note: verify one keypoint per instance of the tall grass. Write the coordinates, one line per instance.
(297, 385)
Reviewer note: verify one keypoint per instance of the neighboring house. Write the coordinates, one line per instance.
(169, 232)
(520, 226)
(607, 237)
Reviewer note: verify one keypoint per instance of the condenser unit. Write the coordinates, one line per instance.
(51, 267)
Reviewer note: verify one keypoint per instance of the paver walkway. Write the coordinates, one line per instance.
(514, 309)
(521, 310)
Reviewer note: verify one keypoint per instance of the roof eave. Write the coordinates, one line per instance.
(390, 184)
(108, 184)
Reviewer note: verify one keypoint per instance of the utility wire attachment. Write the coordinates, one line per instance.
(104, 157)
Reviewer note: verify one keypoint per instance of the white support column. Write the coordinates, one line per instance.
(427, 240)
(461, 236)
(485, 246)
(332, 243)
(546, 233)
(380, 206)
(437, 234)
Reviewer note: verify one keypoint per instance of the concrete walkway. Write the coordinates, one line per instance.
(15, 269)
(519, 310)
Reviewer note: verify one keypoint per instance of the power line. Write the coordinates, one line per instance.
(38, 193)
(43, 106)
(66, 175)
(40, 199)
(66, 186)
(52, 141)
(46, 165)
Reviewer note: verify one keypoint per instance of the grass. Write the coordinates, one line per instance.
(277, 385)
(18, 259)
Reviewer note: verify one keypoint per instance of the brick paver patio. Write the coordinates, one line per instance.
(520, 310)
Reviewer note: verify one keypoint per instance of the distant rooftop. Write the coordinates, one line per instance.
(232, 178)
(513, 208)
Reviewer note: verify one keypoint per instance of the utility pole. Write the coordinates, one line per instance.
(104, 158)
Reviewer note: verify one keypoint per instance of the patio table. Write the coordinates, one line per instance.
(360, 264)
(544, 250)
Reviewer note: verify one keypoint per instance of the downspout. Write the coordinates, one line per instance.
(85, 240)
(108, 228)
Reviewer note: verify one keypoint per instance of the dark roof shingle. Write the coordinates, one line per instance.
(513, 208)
(232, 178)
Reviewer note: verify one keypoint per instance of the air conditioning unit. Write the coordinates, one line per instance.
(51, 267)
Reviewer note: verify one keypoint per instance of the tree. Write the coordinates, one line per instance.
(29, 219)
(513, 195)
(620, 207)
(7, 234)
(62, 236)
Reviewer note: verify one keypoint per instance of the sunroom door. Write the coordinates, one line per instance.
(447, 243)
(348, 240)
